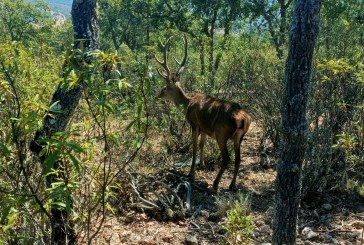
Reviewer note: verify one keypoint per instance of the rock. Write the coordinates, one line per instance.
(309, 234)
(326, 218)
(334, 241)
(265, 229)
(255, 232)
(204, 213)
(306, 230)
(330, 239)
(191, 239)
(259, 223)
(327, 206)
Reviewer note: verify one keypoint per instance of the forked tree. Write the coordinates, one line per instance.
(297, 78)
(221, 120)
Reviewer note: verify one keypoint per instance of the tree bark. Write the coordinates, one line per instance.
(84, 18)
(302, 39)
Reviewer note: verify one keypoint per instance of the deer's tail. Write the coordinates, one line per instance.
(242, 120)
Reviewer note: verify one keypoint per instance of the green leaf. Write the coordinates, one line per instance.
(77, 148)
(59, 204)
(50, 161)
(68, 205)
(11, 219)
(4, 214)
(4, 149)
(123, 85)
(130, 125)
(75, 162)
(52, 107)
(108, 107)
(140, 107)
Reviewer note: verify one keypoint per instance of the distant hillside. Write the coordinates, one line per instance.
(62, 6)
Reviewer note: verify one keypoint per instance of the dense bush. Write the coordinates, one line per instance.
(336, 130)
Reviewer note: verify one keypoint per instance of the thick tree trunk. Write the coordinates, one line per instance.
(84, 17)
(303, 35)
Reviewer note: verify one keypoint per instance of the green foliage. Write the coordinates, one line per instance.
(25, 201)
(335, 141)
(21, 20)
(340, 20)
(239, 223)
(252, 76)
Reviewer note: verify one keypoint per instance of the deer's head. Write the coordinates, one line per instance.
(172, 88)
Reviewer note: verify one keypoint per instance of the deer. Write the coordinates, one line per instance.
(207, 116)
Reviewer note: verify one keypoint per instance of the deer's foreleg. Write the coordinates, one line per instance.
(195, 133)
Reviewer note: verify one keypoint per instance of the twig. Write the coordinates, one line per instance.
(187, 195)
(196, 225)
(333, 231)
(357, 215)
(135, 190)
(197, 211)
(141, 205)
(212, 229)
(133, 156)
(179, 201)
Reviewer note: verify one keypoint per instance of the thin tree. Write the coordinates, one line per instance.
(302, 39)
(84, 18)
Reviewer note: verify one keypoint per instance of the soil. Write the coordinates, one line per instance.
(331, 218)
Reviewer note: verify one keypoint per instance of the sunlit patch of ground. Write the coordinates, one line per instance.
(338, 219)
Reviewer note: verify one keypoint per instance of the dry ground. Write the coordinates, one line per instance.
(329, 219)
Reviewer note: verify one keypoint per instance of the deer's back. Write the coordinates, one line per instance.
(213, 115)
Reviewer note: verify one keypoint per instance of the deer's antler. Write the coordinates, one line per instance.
(182, 64)
(166, 73)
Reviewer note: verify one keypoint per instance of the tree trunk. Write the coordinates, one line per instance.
(84, 18)
(303, 35)
(202, 55)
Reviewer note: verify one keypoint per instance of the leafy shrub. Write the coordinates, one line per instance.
(239, 225)
(253, 76)
(335, 141)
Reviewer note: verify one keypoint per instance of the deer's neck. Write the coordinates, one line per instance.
(181, 99)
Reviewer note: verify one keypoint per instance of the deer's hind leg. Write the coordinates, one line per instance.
(225, 160)
(238, 137)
